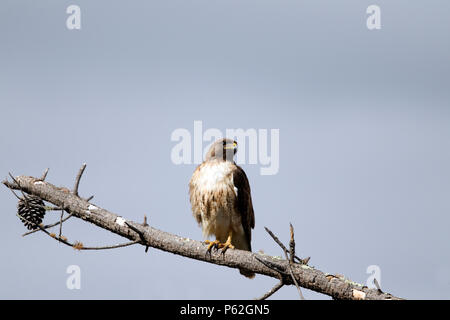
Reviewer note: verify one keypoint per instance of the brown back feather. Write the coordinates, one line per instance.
(244, 202)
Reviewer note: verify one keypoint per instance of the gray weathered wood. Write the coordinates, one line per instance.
(306, 276)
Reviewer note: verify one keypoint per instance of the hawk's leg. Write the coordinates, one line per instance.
(227, 244)
(212, 244)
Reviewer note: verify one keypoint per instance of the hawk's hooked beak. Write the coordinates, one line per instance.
(231, 146)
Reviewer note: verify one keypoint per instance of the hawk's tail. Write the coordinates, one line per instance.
(241, 242)
(247, 274)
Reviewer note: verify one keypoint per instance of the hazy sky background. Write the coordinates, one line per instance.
(364, 120)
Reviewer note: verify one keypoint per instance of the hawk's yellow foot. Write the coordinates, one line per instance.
(212, 244)
(226, 245)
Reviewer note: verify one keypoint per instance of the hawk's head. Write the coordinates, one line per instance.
(223, 149)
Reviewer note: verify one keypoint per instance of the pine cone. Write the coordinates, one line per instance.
(32, 210)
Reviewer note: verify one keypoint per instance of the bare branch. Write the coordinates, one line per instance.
(303, 261)
(77, 245)
(377, 284)
(139, 232)
(145, 224)
(295, 280)
(305, 276)
(77, 180)
(48, 226)
(19, 188)
(272, 265)
(291, 245)
(275, 238)
(272, 291)
(289, 259)
(61, 221)
(44, 175)
(122, 245)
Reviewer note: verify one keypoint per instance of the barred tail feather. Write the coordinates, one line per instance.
(247, 274)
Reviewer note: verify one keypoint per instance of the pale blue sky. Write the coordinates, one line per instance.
(364, 120)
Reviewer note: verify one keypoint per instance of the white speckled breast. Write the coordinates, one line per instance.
(215, 175)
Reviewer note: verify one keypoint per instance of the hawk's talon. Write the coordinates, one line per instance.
(226, 245)
(212, 244)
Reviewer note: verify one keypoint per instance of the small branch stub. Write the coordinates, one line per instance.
(78, 178)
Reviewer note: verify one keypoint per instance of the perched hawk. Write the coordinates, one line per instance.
(221, 201)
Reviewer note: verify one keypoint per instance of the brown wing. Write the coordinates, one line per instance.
(194, 195)
(244, 204)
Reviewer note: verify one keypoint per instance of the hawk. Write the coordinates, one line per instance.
(221, 202)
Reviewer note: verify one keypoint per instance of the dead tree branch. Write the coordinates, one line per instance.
(77, 180)
(277, 287)
(48, 226)
(77, 244)
(286, 270)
